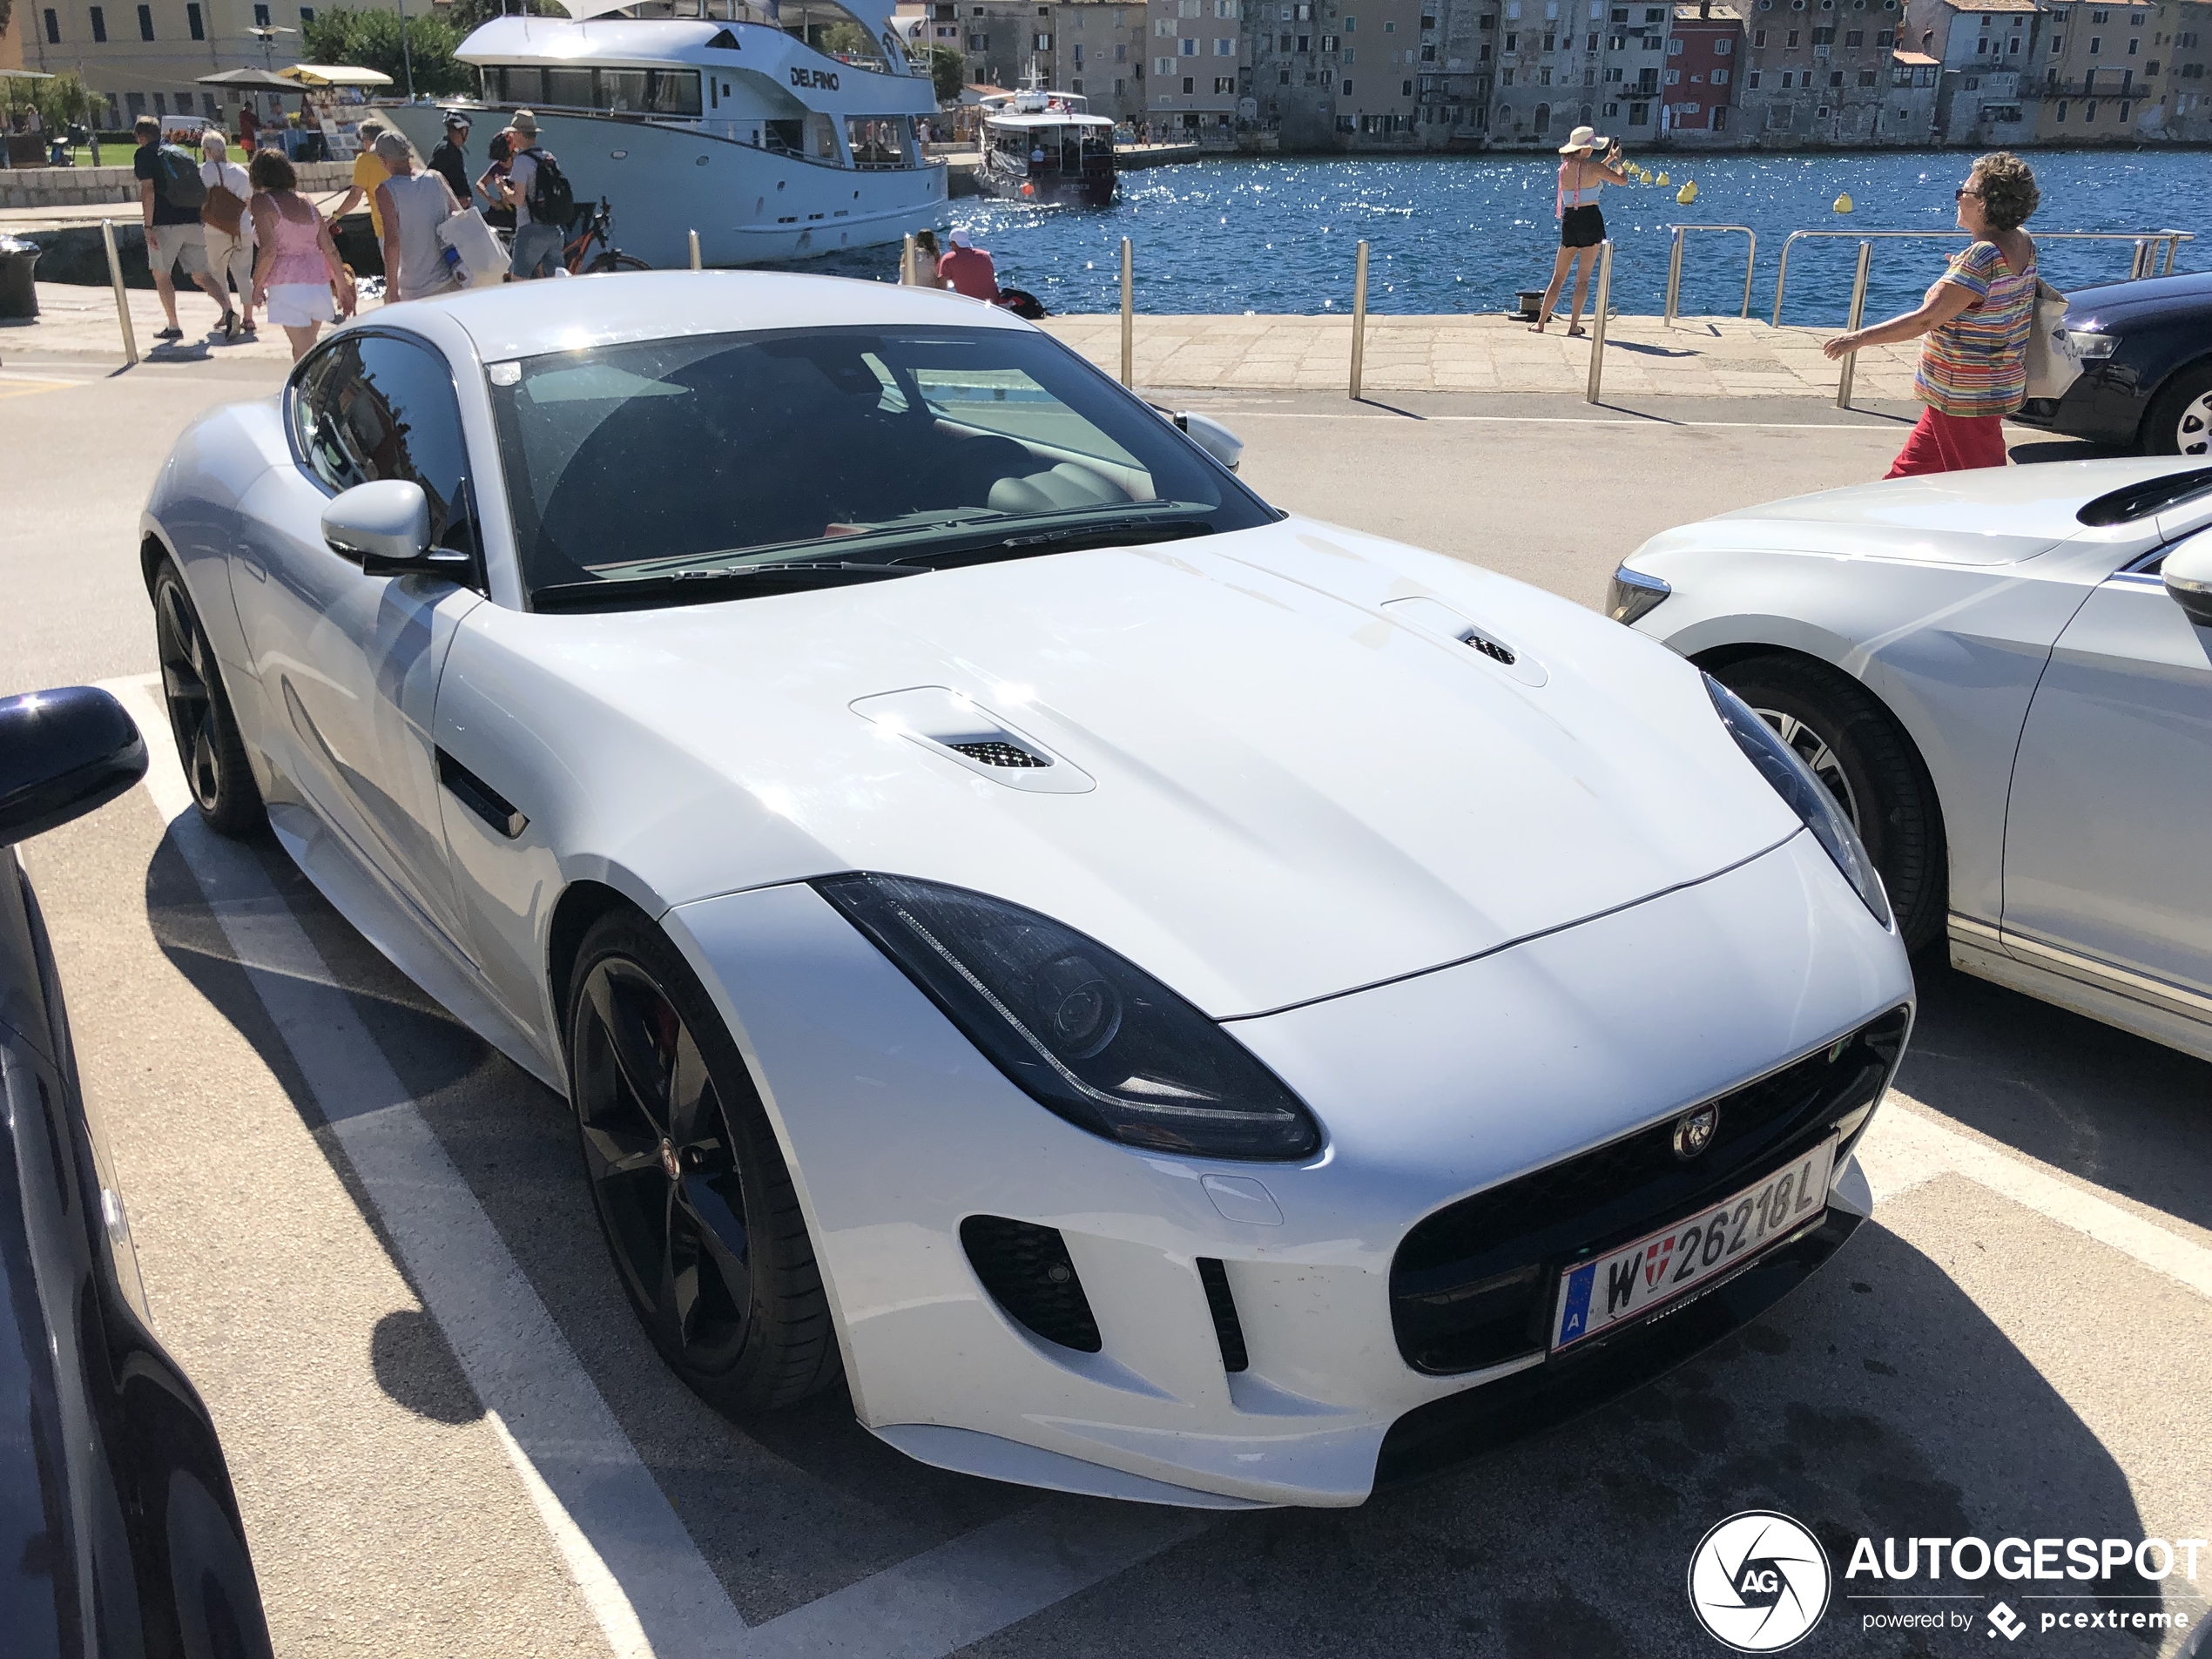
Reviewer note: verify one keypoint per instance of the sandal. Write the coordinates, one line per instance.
(1576, 328)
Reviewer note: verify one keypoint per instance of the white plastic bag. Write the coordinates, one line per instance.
(467, 234)
(2054, 361)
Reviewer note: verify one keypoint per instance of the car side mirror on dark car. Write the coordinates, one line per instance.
(2187, 571)
(63, 754)
(384, 527)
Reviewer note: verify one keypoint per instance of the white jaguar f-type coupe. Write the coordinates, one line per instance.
(2005, 677)
(1169, 1000)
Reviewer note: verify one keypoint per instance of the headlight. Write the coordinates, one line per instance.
(1793, 780)
(1084, 1033)
(2088, 343)
(1634, 595)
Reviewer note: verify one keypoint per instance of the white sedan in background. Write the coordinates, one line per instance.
(2005, 676)
(1172, 1001)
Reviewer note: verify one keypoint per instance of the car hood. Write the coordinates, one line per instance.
(1277, 772)
(2182, 297)
(1986, 516)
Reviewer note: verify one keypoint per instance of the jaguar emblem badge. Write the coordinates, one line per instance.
(1694, 1131)
(674, 1170)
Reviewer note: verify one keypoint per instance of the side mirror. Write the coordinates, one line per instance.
(385, 529)
(2187, 572)
(1207, 433)
(62, 754)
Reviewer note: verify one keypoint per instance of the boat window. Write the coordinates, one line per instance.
(784, 136)
(823, 131)
(570, 89)
(878, 140)
(648, 92)
(701, 456)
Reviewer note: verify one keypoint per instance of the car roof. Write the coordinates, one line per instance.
(525, 319)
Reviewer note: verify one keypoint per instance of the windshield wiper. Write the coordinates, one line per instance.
(683, 587)
(1110, 532)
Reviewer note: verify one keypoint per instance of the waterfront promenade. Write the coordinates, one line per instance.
(1699, 357)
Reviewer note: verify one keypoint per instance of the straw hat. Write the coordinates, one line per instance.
(1581, 138)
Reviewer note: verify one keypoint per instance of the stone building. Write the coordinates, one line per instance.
(1196, 63)
(2104, 74)
(1564, 64)
(2188, 107)
(1098, 50)
(1988, 51)
(1698, 84)
(144, 59)
(1823, 71)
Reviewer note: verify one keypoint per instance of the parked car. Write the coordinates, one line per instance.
(2005, 676)
(2146, 381)
(116, 1516)
(1162, 995)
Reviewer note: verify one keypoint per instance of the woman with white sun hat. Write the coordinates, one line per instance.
(1581, 228)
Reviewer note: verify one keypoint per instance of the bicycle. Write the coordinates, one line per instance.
(590, 226)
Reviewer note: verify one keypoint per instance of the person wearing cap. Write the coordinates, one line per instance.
(967, 269)
(368, 173)
(1581, 228)
(412, 205)
(449, 158)
(537, 248)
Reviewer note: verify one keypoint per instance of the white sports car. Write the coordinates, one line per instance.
(2005, 676)
(1173, 1001)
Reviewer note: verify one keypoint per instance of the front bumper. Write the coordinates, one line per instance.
(2106, 403)
(1431, 1088)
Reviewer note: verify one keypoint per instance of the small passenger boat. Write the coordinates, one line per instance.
(1044, 146)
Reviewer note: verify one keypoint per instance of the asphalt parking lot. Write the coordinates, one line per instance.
(366, 1237)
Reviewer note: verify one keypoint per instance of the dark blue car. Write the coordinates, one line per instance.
(2146, 383)
(120, 1533)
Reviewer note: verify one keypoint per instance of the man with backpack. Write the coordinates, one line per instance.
(536, 188)
(171, 194)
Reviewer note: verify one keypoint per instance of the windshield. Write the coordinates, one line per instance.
(823, 449)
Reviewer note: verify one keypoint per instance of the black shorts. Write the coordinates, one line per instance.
(1582, 226)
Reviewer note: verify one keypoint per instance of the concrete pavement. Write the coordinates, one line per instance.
(2015, 1346)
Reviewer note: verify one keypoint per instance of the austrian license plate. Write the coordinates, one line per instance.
(1598, 1295)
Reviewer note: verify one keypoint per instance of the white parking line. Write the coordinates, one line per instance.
(636, 1566)
(1906, 1148)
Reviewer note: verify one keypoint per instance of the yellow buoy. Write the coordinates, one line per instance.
(1644, 175)
(1843, 203)
(1664, 179)
(1688, 193)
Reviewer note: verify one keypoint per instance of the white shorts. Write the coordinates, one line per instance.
(298, 304)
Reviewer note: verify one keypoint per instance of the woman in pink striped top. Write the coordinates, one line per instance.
(1972, 326)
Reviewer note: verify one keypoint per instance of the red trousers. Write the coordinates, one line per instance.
(1944, 442)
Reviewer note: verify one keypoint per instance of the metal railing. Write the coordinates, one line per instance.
(1674, 265)
(2145, 263)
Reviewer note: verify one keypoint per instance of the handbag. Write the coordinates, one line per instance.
(467, 234)
(223, 211)
(2054, 361)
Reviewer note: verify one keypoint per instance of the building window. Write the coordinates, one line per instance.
(1674, 78)
(2096, 43)
(1225, 48)
(1723, 47)
(192, 22)
(1405, 89)
(1752, 81)
(1674, 47)
(145, 22)
(1189, 84)
(1758, 38)
(53, 28)
(1612, 110)
(1786, 80)
(1639, 115)
(1835, 78)
(2131, 47)
(1720, 77)
(1867, 77)
(2090, 110)
(1077, 84)
(1187, 47)
(100, 28)
(1347, 88)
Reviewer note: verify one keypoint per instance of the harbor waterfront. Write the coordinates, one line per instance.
(1463, 235)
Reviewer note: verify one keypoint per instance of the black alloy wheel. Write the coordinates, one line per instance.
(2179, 421)
(693, 1196)
(199, 712)
(1843, 733)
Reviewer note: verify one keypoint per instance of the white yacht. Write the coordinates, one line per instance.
(1045, 146)
(777, 132)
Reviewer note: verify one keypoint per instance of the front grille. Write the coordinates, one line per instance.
(1228, 1329)
(1025, 1267)
(999, 754)
(1472, 1285)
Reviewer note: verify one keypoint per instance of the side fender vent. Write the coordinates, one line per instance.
(1026, 1269)
(1491, 648)
(1228, 1329)
(1000, 754)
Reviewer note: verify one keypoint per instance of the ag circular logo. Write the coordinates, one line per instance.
(1759, 1581)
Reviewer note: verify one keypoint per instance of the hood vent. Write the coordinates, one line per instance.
(1437, 619)
(959, 730)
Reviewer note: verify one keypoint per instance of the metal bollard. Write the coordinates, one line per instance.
(695, 249)
(1128, 314)
(1597, 319)
(907, 276)
(1359, 318)
(1858, 312)
(1674, 278)
(122, 296)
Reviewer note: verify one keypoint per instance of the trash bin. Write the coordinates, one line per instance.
(18, 295)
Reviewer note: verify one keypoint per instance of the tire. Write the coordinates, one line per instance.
(1839, 729)
(693, 1197)
(616, 262)
(2179, 421)
(200, 719)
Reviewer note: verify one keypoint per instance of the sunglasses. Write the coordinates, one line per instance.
(1962, 192)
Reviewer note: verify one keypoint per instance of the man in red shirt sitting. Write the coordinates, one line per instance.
(967, 269)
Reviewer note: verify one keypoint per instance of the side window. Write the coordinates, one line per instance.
(377, 407)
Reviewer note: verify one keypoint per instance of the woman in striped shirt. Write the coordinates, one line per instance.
(1972, 326)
